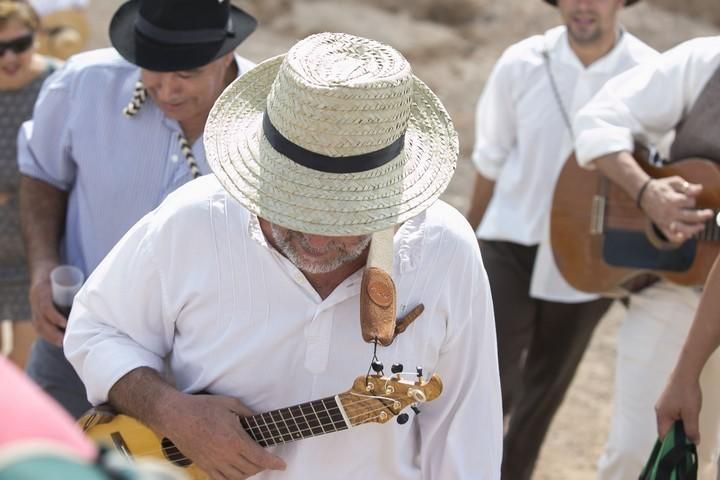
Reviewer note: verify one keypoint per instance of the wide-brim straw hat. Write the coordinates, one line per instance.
(377, 146)
(627, 2)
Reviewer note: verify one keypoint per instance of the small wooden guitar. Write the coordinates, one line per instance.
(601, 240)
(372, 399)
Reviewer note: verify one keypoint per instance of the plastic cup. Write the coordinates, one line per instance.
(65, 282)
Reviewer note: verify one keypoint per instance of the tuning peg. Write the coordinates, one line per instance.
(396, 368)
(403, 418)
(419, 370)
(377, 366)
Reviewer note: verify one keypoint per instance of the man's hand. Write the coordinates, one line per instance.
(48, 322)
(670, 202)
(206, 428)
(681, 400)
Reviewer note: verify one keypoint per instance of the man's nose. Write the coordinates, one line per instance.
(166, 87)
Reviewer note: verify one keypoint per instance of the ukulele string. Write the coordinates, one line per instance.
(173, 454)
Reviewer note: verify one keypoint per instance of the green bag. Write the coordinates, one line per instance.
(672, 458)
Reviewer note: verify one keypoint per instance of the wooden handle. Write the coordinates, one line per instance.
(377, 306)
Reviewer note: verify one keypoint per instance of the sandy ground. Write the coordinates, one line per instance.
(457, 72)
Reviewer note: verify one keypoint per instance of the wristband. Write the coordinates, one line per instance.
(640, 193)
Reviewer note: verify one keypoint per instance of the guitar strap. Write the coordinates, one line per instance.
(556, 93)
(378, 296)
(696, 135)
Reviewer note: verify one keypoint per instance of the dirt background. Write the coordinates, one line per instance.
(452, 45)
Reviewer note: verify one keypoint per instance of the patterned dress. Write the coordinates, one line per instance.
(16, 106)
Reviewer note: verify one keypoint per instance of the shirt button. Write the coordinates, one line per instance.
(174, 158)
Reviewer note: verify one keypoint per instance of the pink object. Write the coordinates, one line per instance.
(27, 414)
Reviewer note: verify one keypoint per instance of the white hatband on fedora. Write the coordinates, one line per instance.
(372, 145)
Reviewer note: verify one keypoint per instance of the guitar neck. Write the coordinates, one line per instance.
(288, 424)
(712, 229)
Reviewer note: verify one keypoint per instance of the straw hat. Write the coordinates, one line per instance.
(366, 145)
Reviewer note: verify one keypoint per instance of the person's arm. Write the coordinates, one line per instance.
(469, 410)
(48, 171)
(42, 215)
(482, 193)
(644, 104)
(206, 428)
(669, 202)
(682, 398)
(123, 325)
(495, 127)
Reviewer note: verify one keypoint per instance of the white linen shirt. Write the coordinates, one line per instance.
(647, 102)
(522, 141)
(195, 282)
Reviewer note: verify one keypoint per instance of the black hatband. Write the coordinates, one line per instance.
(182, 37)
(324, 163)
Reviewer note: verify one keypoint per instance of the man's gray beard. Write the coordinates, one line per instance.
(344, 256)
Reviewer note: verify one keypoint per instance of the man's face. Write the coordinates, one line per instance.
(318, 253)
(590, 21)
(188, 94)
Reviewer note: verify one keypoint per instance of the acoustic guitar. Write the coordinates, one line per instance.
(372, 399)
(601, 240)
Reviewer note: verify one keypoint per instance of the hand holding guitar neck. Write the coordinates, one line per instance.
(206, 429)
(670, 204)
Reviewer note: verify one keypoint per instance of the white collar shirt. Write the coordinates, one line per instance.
(522, 140)
(195, 283)
(115, 168)
(647, 102)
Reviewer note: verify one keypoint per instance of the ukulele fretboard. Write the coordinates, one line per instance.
(294, 423)
(712, 229)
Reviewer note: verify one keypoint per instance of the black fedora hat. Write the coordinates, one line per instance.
(172, 35)
(627, 3)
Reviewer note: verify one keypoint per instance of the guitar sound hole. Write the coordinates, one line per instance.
(174, 455)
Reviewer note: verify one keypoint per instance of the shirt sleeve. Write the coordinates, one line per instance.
(116, 323)
(44, 143)
(495, 123)
(643, 103)
(470, 413)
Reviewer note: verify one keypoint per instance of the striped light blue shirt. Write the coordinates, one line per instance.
(115, 168)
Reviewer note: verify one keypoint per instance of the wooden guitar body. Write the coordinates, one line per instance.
(601, 240)
(135, 440)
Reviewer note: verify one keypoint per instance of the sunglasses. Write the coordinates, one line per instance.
(17, 45)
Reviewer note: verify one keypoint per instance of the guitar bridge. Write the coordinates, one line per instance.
(597, 215)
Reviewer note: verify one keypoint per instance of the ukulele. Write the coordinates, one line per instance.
(372, 399)
(601, 241)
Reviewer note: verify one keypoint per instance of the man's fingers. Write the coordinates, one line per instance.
(664, 423)
(261, 458)
(695, 215)
(681, 185)
(55, 318)
(692, 426)
(50, 333)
